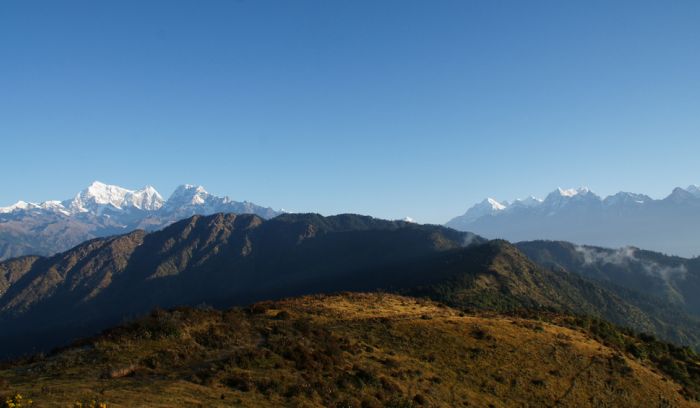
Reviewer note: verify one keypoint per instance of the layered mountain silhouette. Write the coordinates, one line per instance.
(229, 259)
(102, 210)
(670, 225)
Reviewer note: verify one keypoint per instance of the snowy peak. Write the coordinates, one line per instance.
(555, 200)
(101, 210)
(101, 199)
(104, 193)
(19, 205)
(147, 199)
(526, 202)
(494, 205)
(669, 224)
(188, 195)
(99, 196)
(571, 191)
(563, 200)
(487, 207)
(47, 206)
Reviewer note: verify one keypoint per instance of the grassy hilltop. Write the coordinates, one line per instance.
(357, 350)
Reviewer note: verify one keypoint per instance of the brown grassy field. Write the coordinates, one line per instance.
(349, 350)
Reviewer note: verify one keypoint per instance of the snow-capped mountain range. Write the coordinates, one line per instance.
(671, 224)
(96, 199)
(101, 210)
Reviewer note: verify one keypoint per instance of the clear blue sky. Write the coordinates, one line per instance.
(388, 108)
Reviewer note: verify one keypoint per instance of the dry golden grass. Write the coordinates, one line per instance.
(349, 350)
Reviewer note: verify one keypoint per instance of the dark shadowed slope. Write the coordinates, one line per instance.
(220, 259)
(228, 259)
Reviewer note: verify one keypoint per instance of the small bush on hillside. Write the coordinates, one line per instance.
(619, 364)
(213, 337)
(258, 308)
(267, 386)
(480, 334)
(16, 401)
(240, 382)
(158, 325)
(365, 377)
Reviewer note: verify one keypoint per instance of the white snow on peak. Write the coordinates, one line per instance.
(99, 196)
(145, 199)
(105, 194)
(50, 206)
(54, 206)
(561, 198)
(118, 203)
(19, 205)
(495, 205)
(572, 191)
(188, 194)
(527, 202)
(96, 194)
(409, 219)
(487, 207)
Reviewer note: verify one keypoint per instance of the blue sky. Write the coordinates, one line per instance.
(388, 108)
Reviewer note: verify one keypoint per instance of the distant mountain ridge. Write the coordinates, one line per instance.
(670, 225)
(101, 210)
